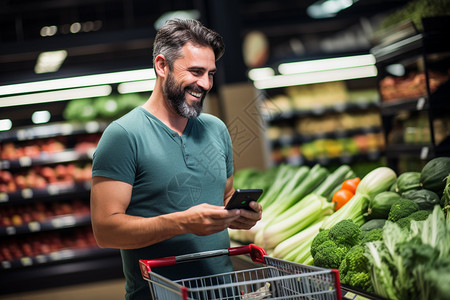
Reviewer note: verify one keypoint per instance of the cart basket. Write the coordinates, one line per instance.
(275, 279)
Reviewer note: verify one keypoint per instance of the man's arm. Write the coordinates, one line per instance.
(113, 228)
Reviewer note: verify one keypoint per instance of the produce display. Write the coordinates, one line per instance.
(388, 234)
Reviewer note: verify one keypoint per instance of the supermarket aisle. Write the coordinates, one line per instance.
(111, 290)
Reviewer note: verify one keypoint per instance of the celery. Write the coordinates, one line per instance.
(308, 210)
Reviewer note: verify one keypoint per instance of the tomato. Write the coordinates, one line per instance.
(351, 184)
(341, 197)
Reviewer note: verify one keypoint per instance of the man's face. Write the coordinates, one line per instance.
(191, 79)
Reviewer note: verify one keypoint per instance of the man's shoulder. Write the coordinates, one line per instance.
(211, 120)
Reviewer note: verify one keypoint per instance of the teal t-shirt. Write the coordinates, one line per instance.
(169, 173)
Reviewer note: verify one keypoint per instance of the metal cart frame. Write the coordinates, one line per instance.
(277, 279)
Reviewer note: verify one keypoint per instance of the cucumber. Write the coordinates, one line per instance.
(424, 198)
(380, 205)
(434, 174)
(408, 181)
(372, 224)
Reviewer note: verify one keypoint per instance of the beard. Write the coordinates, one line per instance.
(175, 93)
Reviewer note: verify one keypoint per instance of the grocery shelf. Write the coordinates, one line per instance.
(52, 190)
(54, 257)
(322, 110)
(303, 138)
(54, 223)
(62, 268)
(45, 158)
(424, 152)
(52, 130)
(394, 107)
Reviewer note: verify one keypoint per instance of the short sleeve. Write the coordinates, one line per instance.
(115, 156)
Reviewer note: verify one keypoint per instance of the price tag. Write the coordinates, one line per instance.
(10, 230)
(25, 161)
(53, 189)
(27, 193)
(6, 264)
(424, 152)
(92, 126)
(63, 221)
(34, 226)
(5, 164)
(21, 134)
(420, 103)
(66, 129)
(4, 197)
(41, 258)
(26, 261)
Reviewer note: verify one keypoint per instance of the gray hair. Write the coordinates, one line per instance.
(175, 33)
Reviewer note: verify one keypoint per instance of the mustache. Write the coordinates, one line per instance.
(196, 88)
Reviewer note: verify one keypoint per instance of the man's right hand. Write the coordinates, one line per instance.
(206, 219)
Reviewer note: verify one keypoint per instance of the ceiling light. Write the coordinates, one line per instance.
(81, 81)
(260, 73)
(5, 124)
(136, 86)
(50, 61)
(40, 117)
(328, 8)
(179, 14)
(326, 64)
(316, 77)
(53, 96)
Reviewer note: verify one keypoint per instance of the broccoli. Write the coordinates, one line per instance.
(345, 233)
(375, 234)
(321, 237)
(354, 269)
(420, 215)
(329, 255)
(402, 208)
(329, 246)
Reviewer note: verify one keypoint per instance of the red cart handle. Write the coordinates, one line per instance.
(256, 254)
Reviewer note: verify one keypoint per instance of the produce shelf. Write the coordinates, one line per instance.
(394, 107)
(52, 190)
(52, 130)
(45, 158)
(55, 223)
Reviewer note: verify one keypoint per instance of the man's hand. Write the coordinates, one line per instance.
(205, 219)
(247, 218)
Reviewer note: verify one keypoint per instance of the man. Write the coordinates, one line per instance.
(163, 173)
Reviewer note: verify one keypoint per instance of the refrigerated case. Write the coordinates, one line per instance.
(414, 87)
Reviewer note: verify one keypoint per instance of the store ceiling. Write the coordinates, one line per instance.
(119, 32)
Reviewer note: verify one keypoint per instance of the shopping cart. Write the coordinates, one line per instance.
(278, 279)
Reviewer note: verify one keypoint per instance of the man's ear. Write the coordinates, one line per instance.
(160, 66)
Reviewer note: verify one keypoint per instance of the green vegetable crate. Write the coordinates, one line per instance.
(278, 279)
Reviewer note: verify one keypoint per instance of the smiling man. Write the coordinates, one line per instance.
(163, 172)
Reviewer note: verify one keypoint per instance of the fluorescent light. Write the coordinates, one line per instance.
(50, 61)
(5, 124)
(80, 81)
(40, 117)
(326, 64)
(316, 77)
(328, 8)
(260, 73)
(136, 86)
(53, 96)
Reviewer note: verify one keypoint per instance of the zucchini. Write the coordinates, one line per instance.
(424, 198)
(380, 205)
(372, 224)
(434, 173)
(408, 181)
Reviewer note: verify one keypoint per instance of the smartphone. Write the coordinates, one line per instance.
(242, 198)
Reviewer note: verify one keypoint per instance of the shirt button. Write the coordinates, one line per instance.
(174, 134)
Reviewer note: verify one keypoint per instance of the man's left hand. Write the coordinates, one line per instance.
(248, 218)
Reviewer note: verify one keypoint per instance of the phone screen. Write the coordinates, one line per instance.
(242, 198)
